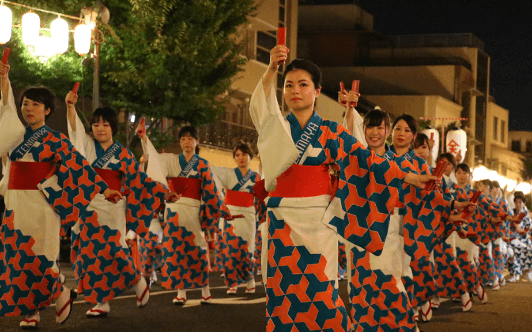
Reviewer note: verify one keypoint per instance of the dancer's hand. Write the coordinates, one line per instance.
(171, 197)
(112, 196)
(419, 181)
(71, 98)
(278, 56)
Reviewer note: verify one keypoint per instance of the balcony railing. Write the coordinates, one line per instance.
(225, 135)
(432, 40)
(430, 61)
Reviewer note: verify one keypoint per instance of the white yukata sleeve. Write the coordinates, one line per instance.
(157, 163)
(221, 176)
(79, 138)
(11, 128)
(358, 128)
(277, 150)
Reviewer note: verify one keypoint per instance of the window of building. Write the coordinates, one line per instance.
(495, 127)
(528, 146)
(266, 40)
(282, 13)
(516, 146)
(503, 130)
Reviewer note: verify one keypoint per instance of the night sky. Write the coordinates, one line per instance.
(501, 25)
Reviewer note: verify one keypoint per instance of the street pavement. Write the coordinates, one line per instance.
(508, 310)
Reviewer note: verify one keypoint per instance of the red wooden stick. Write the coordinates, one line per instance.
(438, 172)
(354, 87)
(473, 199)
(236, 216)
(5, 55)
(76, 87)
(281, 36)
(342, 89)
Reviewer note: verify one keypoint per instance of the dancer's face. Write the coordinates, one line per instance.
(188, 143)
(299, 90)
(34, 113)
(242, 159)
(518, 204)
(461, 177)
(102, 131)
(402, 135)
(376, 136)
(423, 150)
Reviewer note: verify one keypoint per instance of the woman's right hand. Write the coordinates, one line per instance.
(278, 56)
(342, 97)
(141, 129)
(71, 98)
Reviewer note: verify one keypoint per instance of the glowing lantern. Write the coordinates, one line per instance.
(524, 187)
(82, 38)
(433, 134)
(31, 24)
(59, 29)
(6, 19)
(44, 47)
(456, 143)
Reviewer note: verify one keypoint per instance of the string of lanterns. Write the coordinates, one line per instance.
(481, 173)
(59, 31)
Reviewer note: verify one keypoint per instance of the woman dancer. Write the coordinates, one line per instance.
(239, 234)
(304, 214)
(184, 246)
(50, 184)
(99, 243)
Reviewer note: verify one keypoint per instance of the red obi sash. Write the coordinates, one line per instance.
(239, 198)
(188, 187)
(399, 205)
(112, 178)
(26, 175)
(303, 181)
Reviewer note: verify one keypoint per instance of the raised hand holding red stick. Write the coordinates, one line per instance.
(5, 55)
(354, 87)
(141, 128)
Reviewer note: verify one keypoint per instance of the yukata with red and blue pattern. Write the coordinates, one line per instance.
(449, 277)
(185, 249)
(420, 236)
(387, 307)
(29, 273)
(103, 266)
(302, 267)
(490, 234)
(239, 235)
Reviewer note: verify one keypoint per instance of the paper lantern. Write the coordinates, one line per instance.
(456, 143)
(82, 39)
(31, 24)
(434, 135)
(60, 31)
(6, 20)
(44, 47)
(524, 187)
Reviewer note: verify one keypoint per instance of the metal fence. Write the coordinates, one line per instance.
(432, 40)
(225, 135)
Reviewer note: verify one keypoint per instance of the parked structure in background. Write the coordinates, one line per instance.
(436, 75)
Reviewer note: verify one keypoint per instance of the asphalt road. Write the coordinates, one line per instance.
(507, 310)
